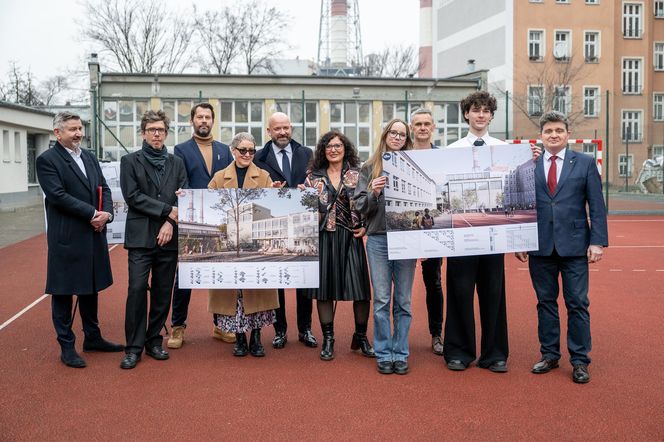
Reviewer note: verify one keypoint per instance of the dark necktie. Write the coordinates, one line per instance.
(478, 142)
(552, 180)
(285, 165)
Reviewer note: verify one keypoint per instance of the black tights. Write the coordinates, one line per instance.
(360, 311)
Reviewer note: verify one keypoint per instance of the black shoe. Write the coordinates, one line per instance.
(157, 352)
(279, 340)
(255, 347)
(580, 374)
(498, 367)
(456, 365)
(360, 342)
(130, 360)
(545, 366)
(385, 367)
(101, 345)
(400, 367)
(71, 358)
(327, 352)
(240, 349)
(308, 339)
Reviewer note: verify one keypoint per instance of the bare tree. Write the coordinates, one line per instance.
(235, 202)
(219, 34)
(393, 62)
(52, 87)
(21, 87)
(261, 38)
(140, 36)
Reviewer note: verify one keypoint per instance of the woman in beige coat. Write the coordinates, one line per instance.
(238, 311)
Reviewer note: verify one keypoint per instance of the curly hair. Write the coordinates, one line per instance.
(152, 116)
(319, 159)
(478, 99)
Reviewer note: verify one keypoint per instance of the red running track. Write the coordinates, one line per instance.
(205, 393)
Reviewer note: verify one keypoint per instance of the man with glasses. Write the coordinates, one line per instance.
(202, 157)
(422, 127)
(149, 179)
(286, 160)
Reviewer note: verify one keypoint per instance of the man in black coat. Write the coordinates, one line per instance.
(78, 206)
(202, 157)
(287, 161)
(149, 179)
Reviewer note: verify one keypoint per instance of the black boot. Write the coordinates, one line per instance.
(327, 352)
(360, 342)
(240, 348)
(255, 347)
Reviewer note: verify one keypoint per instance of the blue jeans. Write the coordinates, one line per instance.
(390, 347)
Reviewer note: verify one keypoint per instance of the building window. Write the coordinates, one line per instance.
(657, 151)
(632, 20)
(562, 100)
(6, 153)
(449, 123)
(590, 101)
(18, 158)
(562, 43)
(592, 2)
(353, 119)
(590, 149)
(310, 118)
(536, 1)
(631, 76)
(393, 110)
(625, 165)
(242, 116)
(32, 157)
(535, 45)
(123, 122)
(658, 56)
(535, 100)
(591, 46)
(395, 182)
(659, 8)
(562, 2)
(631, 126)
(658, 107)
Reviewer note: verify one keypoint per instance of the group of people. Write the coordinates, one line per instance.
(351, 206)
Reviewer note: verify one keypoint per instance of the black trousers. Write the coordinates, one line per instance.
(143, 329)
(487, 273)
(304, 309)
(61, 312)
(180, 310)
(431, 275)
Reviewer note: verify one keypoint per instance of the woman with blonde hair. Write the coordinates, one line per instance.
(390, 279)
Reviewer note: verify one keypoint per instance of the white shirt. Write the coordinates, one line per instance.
(279, 155)
(469, 139)
(560, 160)
(76, 155)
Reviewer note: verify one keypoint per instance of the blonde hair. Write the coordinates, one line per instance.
(375, 161)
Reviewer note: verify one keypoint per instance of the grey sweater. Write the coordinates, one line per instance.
(372, 208)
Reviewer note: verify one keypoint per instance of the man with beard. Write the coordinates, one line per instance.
(286, 160)
(78, 206)
(150, 179)
(202, 157)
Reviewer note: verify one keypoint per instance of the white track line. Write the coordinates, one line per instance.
(35, 302)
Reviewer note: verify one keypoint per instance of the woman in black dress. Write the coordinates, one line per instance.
(344, 274)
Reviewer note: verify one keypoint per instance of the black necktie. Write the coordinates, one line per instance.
(285, 165)
(478, 142)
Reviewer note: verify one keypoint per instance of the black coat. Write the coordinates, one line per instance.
(265, 159)
(149, 203)
(78, 262)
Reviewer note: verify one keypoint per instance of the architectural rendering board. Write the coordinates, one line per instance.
(248, 238)
(460, 201)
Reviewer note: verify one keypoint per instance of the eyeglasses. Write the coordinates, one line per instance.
(397, 135)
(155, 130)
(243, 152)
(334, 147)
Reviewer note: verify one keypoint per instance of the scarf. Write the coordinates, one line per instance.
(157, 158)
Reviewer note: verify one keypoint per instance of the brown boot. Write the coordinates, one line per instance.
(177, 337)
(223, 336)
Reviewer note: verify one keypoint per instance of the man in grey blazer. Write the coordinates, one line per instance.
(570, 237)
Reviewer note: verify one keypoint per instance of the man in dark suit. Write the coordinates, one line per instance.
(149, 179)
(78, 206)
(202, 157)
(566, 182)
(287, 161)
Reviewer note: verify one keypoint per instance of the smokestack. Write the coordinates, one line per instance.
(202, 205)
(471, 65)
(339, 33)
(426, 40)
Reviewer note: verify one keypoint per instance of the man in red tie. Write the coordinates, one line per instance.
(566, 182)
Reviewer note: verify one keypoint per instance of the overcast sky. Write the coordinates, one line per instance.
(43, 35)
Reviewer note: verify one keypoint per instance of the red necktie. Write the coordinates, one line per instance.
(551, 180)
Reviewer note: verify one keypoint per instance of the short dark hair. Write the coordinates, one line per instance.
(319, 160)
(553, 117)
(152, 116)
(478, 99)
(204, 106)
(62, 117)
